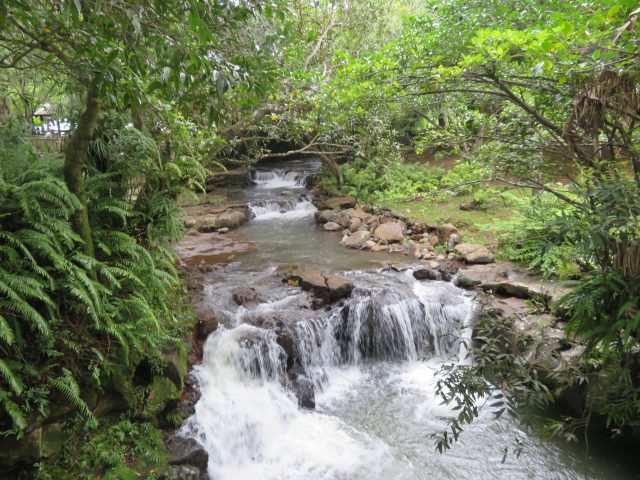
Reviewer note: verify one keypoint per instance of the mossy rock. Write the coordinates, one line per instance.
(52, 440)
(162, 392)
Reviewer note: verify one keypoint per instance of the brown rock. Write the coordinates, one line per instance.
(339, 287)
(355, 224)
(391, 232)
(340, 202)
(359, 213)
(246, 297)
(445, 231)
(207, 323)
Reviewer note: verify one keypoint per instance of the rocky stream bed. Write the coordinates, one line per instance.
(322, 324)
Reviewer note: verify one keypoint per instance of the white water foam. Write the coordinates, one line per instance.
(278, 178)
(282, 209)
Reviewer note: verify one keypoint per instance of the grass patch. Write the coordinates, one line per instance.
(475, 225)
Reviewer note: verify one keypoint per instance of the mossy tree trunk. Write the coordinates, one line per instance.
(75, 156)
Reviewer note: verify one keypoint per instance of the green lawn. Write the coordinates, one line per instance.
(475, 225)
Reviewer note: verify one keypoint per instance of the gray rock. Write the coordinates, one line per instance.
(304, 392)
(246, 297)
(332, 227)
(357, 239)
(325, 216)
(454, 239)
(187, 451)
(390, 232)
(339, 202)
(467, 283)
(343, 219)
(207, 323)
(426, 273)
(231, 219)
(474, 253)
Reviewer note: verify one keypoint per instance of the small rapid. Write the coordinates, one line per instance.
(285, 208)
(347, 392)
(279, 178)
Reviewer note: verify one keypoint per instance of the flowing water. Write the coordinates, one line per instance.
(372, 361)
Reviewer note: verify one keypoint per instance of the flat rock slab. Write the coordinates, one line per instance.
(474, 253)
(325, 286)
(207, 218)
(338, 202)
(508, 278)
(332, 227)
(211, 248)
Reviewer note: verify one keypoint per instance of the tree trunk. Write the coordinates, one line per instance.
(75, 156)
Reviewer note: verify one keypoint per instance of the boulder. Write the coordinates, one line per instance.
(187, 451)
(474, 253)
(325, 216)
(207, 323)
(370, 219)
(339, 202)
(426, 273)
(467, 283)
(332, 227)
(246, 297)
(162, 392)
(445, 231)
(326, 287)
(355, 224)
(339, 287)
(390, 232)
(357, 239)
(304, 392)
(288, 193)
(231, 219)
(313, 280)
(20, 452)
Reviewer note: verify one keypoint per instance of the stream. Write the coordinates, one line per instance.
(371, 360)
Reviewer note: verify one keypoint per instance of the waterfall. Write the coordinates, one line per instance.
(278, 178)
(369, 364)
(248, 417)
(284, 208)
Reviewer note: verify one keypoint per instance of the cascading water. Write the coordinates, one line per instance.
(371, 360)
(278, 178)
(298, 207)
